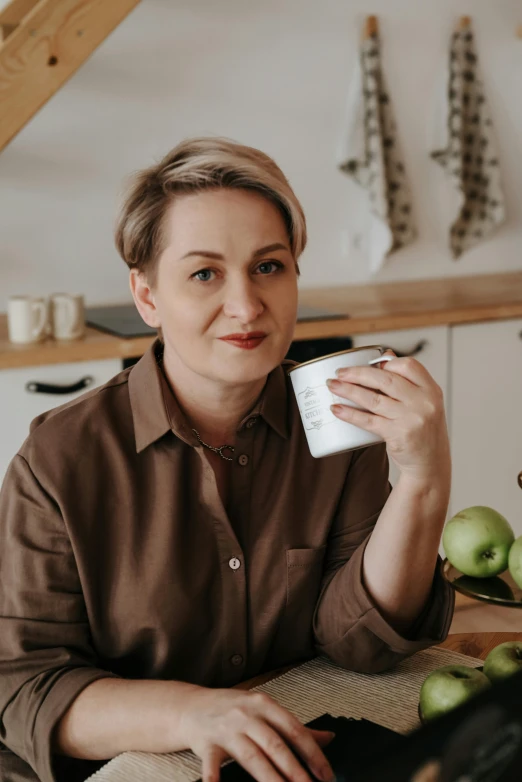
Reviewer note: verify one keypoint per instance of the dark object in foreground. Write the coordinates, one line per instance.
(355, 742)
(481, 741)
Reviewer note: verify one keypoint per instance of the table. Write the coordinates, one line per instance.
(343, 694)
(472, 644)
(478, 644)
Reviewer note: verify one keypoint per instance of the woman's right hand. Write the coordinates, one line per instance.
(253, 729)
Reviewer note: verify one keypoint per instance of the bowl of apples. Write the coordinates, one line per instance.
(483, 557)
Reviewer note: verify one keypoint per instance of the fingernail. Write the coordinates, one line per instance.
(342, 370)
(336, 408)
(331, 382)
(327, 774)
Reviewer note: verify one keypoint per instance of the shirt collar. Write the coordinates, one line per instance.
(272, 405)
(155, 410)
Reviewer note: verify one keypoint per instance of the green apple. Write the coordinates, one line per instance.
(448, 687)
(477, 541)
(515, 562)
(503, 661)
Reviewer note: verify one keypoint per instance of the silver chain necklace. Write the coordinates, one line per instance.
(217, 450)
(159, 359)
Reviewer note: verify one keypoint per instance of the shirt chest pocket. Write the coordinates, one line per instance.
(304, 567)
(304, 571)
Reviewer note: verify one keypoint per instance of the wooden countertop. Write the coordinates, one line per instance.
(368, 308)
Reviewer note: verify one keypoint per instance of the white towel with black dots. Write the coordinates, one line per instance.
(465, 147)
(370, 154)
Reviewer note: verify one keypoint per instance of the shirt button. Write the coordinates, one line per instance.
(243, 460)
(236, 659)
(234, 563)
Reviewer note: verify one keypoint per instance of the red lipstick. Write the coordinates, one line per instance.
(245, 340)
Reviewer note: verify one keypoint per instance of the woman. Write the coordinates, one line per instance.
(169, 535)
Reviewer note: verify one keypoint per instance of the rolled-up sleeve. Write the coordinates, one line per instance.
(348, 625)
(46, 658)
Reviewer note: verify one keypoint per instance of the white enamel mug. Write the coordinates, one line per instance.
(326, 434)
(27, 319)
(67, 315)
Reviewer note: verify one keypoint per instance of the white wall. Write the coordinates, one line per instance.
(273, 74)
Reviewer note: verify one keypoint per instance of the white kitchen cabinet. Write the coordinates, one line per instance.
(430, 346)
(27, 392)
(486, 425)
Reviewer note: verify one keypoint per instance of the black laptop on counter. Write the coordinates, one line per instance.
(124, 320)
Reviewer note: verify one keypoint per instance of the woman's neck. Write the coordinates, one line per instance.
(214, 409)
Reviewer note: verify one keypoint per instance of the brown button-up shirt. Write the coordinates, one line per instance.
(117, 557)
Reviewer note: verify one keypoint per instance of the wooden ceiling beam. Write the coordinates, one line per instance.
(51, 40)
(6, 30)
(12, 15)
(15, 11)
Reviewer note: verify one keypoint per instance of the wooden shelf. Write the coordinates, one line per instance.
(368, 308)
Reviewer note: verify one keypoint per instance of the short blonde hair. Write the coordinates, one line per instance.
(193, 166)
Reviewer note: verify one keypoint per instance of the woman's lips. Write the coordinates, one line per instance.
(245, 341)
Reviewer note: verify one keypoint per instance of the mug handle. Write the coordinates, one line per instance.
(381, 360)
(39, 308)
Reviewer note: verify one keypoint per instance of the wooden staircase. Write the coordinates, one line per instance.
(42, 43)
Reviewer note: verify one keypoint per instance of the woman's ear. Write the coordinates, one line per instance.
(144, 298)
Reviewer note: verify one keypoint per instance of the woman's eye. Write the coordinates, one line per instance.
(268, 267)
(204, 275)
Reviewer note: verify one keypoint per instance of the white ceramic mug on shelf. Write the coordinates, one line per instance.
(27, 319)
(326, 434)
(67, 316)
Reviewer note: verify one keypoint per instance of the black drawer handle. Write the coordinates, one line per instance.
(48, 388)
(419, 347)
(520, 479)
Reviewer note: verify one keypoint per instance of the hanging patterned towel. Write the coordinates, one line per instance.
(370, 154)
(466, 149)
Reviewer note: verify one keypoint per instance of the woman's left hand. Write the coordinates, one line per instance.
(405, 406)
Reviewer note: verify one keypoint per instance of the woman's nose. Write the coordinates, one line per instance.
(242, 302)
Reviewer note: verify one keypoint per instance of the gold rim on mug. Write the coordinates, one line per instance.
(339, 353)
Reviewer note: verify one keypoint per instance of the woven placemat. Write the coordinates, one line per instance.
(314, 688)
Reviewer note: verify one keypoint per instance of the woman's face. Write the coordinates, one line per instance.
(227, 272)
